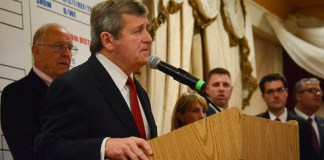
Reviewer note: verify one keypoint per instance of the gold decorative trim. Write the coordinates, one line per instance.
(249, 83)
(234, 40)
(172, 8)
(156, 22)
(200, 19)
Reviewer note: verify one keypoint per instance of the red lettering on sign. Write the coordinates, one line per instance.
(84, 41)
(74, 37)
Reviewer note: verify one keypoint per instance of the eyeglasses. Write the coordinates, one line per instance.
(271, 92)
(313, 91)
(60, 48)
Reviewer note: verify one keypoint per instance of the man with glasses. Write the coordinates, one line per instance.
(308, 96)
(275, 92)
(22, 102)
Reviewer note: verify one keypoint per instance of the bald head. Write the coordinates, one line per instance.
(49, 55)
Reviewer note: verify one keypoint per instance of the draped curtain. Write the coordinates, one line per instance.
(307, 50)
(190, 34)
(302, 37)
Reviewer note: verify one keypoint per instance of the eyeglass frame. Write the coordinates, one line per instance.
(314, 91)
(60, 48)
(271, 92)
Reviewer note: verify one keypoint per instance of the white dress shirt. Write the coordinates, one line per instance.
(314, 124)
(282, 117)
(120, 79)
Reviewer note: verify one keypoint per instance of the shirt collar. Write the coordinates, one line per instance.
(282, 117)
(303, 115)
(47, 79)
(118, 75)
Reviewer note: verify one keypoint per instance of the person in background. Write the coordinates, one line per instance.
(275, 93)
(22, 102)
(98, 109)
(308, 96)
(219, 89)
(189, 108)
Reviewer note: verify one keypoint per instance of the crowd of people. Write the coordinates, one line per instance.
(98, 110)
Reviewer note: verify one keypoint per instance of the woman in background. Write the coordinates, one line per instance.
(189, 108)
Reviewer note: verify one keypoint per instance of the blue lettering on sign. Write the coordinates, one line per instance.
(44, 3)
(70, 1)
(79, 5)
(69, 12)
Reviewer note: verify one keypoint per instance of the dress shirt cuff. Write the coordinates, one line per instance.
(103, 149)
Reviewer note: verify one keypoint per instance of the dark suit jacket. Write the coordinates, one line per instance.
(21, 106)
(85, 106)
(320, 125)
(305, 141)
(210, 110)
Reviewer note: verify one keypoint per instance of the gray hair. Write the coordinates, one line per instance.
(107, 17)
(300, 85)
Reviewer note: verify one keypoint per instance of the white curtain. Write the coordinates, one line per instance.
(307, 55)
(179, 42)
(172, 43)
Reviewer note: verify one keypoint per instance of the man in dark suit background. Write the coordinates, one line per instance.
(308, 96)
(89, 115)
(274, 92)
(23, 101)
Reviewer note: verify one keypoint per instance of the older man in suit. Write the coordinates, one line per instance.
(308, 96)
(96, 111)
(23, 101)
(274, 93)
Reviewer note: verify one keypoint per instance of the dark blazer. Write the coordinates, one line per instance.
(211, 110)
(21, 105)
(320, 125)
(85, 106)
(305, 141)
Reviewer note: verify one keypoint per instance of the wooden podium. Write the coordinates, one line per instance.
(229, 135)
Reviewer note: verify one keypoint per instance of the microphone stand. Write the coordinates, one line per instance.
(212, 103)
(209, 101)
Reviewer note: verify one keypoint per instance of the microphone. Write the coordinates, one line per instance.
(178, 74)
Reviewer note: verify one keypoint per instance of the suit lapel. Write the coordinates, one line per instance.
(115, 100)
(320, 125)
(37, 84)
(290, 116)
(266, 115)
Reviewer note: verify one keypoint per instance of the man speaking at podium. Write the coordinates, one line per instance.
(99, 110)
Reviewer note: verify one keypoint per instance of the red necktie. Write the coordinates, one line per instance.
(136, 111)
(278, 119)
(314, 137)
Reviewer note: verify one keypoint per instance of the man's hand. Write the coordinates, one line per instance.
(127, 148)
